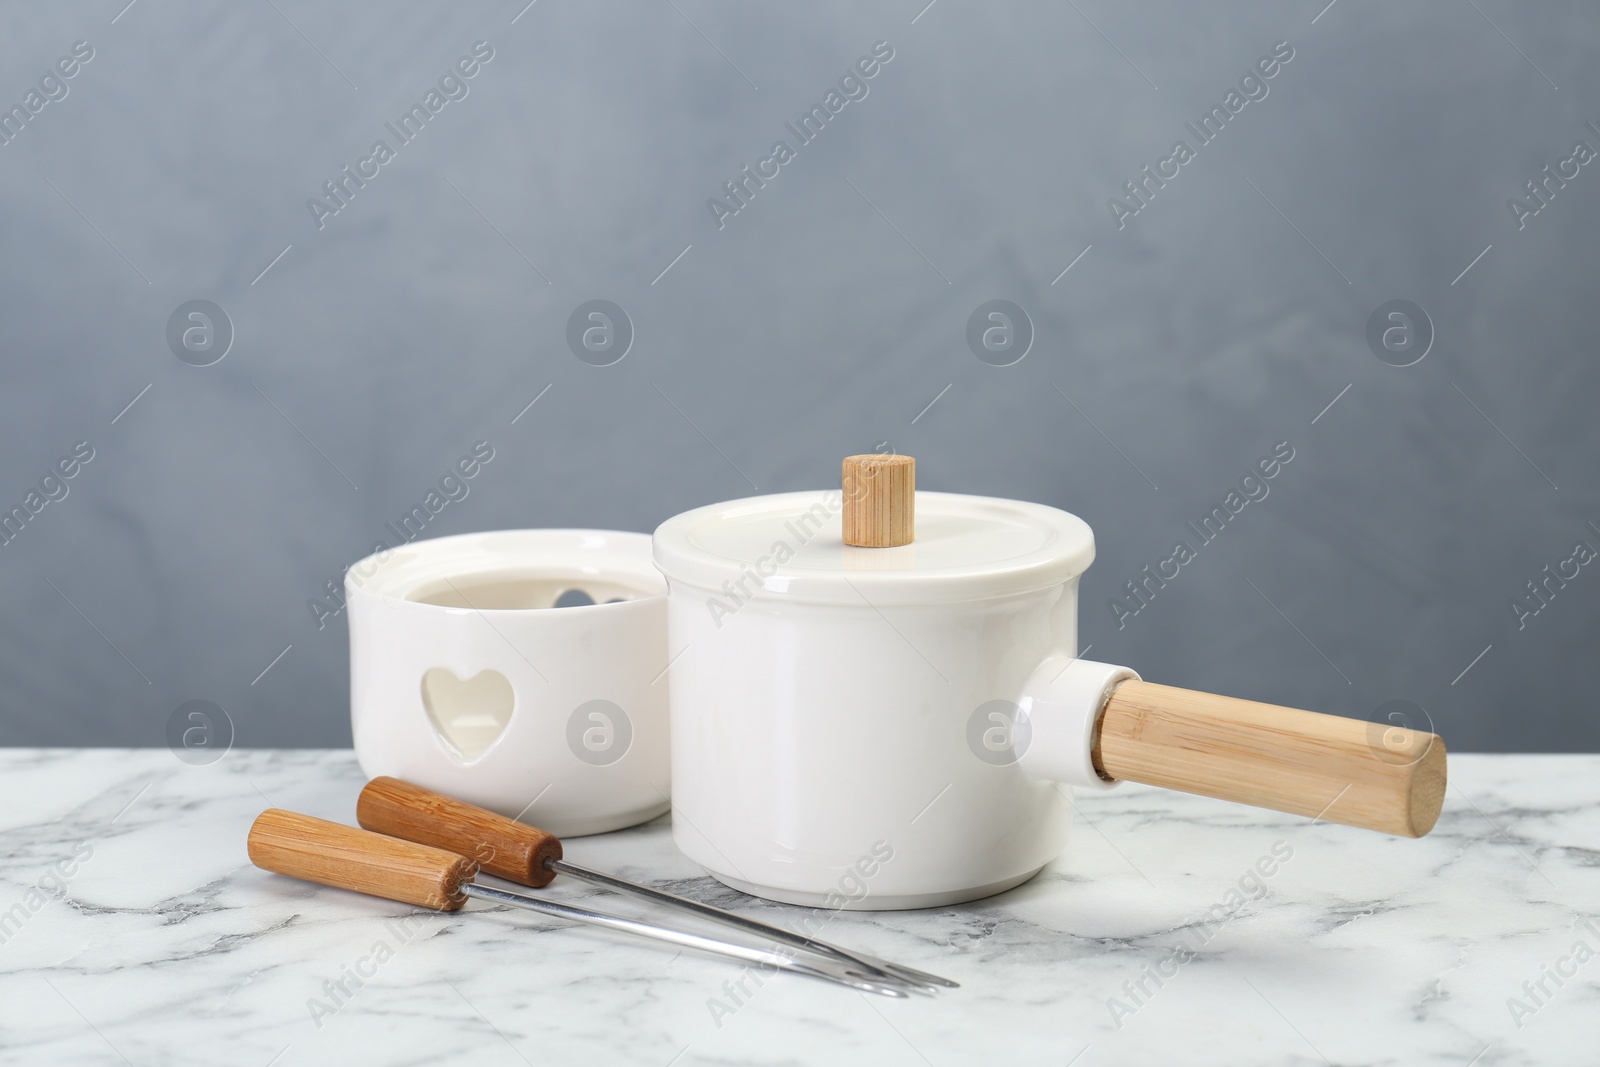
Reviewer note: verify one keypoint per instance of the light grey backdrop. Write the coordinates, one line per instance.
(823, 318)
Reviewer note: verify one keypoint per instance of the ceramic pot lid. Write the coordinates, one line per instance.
(793, 546)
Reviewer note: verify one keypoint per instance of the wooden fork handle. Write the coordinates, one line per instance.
(317, 850)
(501, 846)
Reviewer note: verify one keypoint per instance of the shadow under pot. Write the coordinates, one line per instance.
(516, 670)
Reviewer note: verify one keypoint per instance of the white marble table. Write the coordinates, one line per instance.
(162, 945)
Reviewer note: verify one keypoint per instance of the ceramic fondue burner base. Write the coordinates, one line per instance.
(872, 901)
(467, 678)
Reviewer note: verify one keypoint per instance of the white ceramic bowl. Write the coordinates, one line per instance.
(464, 677)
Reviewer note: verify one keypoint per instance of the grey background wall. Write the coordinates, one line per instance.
(371, 351)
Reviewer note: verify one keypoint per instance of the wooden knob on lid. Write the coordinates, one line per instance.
(879, 500)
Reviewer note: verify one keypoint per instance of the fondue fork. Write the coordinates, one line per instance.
(531, 857)
(316, 850)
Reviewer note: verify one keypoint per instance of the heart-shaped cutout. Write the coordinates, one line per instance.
(467, 715)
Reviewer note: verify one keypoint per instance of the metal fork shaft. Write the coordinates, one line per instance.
(920, 981)
(729, 949)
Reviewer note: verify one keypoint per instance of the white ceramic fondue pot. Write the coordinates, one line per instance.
(866, 719)
(465, 677)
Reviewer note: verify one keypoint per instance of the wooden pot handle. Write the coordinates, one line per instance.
(1372, 775)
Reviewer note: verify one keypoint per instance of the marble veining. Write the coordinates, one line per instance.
(1174, 930)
